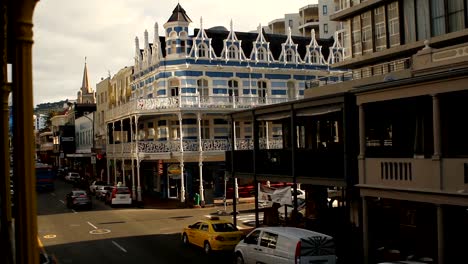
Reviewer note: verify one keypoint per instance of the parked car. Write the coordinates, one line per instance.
(120, 195)
(94, 185)
(72, 177)
(78, 198)
(212, 234)
(102, 191)
(285, 245)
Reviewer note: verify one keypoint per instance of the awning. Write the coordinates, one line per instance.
(318, 110)
(274, 116)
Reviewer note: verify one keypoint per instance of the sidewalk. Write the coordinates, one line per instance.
(156, 203)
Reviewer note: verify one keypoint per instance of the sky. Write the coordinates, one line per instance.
(104, 31)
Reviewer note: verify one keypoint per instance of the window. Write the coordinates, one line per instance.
(261, 54)
(314, 57)
(202, 50)
(262, 90)
(291, 90)
(174, 87)
(233, 90)
(455, 15)
(204, 227)
(324, 9)
(205, 129)
(366, 32)
(393, 24)
(289, 55)
(356, 35)
(195, 226)
(269, 240)
(423, 19)
(379, 28)
(232, 52)
(203, 90)
(325, 28)
(336, 57)
(437, 17)
(252, 238)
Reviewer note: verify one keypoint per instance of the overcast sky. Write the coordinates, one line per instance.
(104, 31)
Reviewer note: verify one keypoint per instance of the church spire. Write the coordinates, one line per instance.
(85, 84)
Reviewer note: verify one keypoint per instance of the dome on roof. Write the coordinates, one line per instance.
(218, 28)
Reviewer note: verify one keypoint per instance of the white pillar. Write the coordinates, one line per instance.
(138, 179)
(182, 187)
(113, 150)
(200, 160)
(131, 151)
(122, 151)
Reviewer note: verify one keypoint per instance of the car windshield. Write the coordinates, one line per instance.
(224, 227)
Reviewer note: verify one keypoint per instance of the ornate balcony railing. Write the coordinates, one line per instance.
(149, 105)
(271, 143)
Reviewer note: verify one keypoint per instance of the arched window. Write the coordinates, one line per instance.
(262, 91)
(233, 89)
(261, 54)
(314, 57)
(202, 50)
(174, 87)
(203, 90)
(232, 52)
(173, 46)
(291, 90)
(289, 55)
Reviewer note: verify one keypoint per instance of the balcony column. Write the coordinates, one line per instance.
(107, 160)
(200, 160)
(267, 139)
(138, 180)
(436, 126)
(182, 184)
(113, 151)
(122, 151)
(132, 155)
(365, 230)
(362, 144)
(440, 234)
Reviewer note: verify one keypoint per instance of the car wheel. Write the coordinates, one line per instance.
(207, 248)
(239, 259)
(185, 239)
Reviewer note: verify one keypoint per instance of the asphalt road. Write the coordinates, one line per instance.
(117, 235)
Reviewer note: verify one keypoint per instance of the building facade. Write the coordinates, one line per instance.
(408, 73)
(169, 138)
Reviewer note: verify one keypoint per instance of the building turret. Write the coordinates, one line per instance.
(176, 29)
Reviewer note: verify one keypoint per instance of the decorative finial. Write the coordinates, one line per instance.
(231, 25)
(201, 22)
(85, 59)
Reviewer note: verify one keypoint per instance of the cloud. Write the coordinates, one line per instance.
(104, 31)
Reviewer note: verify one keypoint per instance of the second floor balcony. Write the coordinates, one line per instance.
(190, 101)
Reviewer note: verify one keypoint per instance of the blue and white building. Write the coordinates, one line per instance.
(171, 132)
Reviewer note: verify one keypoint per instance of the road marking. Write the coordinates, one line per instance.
(99, 231)
(53, 194)
(62, 201)
(50, 236)
(73, 210)
(119, 246)
(95, 227)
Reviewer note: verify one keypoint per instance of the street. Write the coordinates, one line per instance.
(117, 235)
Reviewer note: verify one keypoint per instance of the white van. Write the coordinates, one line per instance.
(277, 245)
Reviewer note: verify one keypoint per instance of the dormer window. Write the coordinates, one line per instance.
(202, 50)
(336, 57)
(261, 54)
(289, 55)
(314, 57)
(232, 52)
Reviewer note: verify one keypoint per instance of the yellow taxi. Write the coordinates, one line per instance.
(212, 234)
